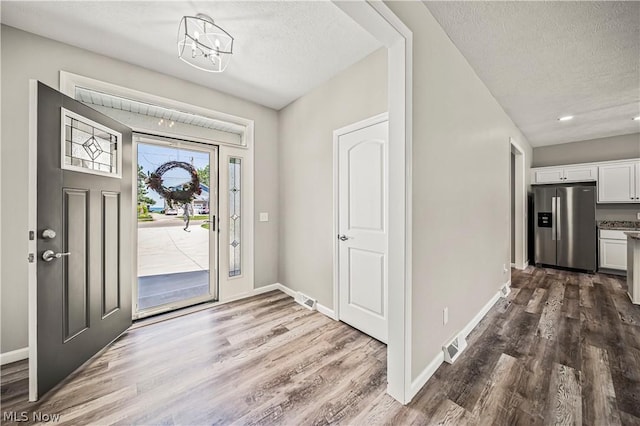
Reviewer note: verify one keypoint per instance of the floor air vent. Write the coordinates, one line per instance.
(306, 301)
(453, 350)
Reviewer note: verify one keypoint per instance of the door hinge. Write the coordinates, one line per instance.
(32, 235)
(32, 257)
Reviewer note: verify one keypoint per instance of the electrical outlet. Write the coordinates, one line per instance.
(638, 215)
(445, 316)
(264, 217)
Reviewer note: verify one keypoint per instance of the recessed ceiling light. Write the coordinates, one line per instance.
(566, 118)
(636, 118)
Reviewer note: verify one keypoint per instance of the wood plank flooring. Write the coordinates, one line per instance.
(562, 348)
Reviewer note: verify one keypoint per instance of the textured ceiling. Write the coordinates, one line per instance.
(281, 49)
(544, 60)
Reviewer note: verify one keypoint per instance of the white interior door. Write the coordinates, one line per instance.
(363, 226)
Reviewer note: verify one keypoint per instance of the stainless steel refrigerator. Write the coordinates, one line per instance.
(565, 225)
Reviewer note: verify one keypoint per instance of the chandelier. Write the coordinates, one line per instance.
(204, 45)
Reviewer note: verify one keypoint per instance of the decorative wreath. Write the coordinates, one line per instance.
(182, 194)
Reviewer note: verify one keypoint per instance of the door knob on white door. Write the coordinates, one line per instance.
(343, 237)
(49, 255)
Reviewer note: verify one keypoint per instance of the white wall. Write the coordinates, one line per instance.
(26, 56)
(306, 170)
(461, 211)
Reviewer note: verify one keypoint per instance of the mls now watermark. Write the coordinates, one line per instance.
(25, 416)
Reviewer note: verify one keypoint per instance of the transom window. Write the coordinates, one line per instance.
(89, 147)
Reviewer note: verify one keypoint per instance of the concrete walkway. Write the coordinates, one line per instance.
(170, 249)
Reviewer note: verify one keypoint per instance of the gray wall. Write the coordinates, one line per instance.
(306, 170)
(603, 149)
(594, 150)
(26, 56)
(461, 191)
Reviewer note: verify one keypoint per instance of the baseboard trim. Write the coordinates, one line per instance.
(326, 311)
(13, 356)
(271, 287)
(481, 314)
(283, 288)
(425, 375)
(431, 368)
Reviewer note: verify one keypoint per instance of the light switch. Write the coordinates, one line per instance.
(264, 217)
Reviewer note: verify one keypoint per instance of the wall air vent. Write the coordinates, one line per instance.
(454, 348)
(505, 290)
(306, 301)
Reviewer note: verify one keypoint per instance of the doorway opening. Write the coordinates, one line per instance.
(518, 207)
(177, 240)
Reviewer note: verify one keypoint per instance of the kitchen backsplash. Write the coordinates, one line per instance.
(617, 211)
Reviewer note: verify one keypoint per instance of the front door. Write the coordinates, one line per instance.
(82, 297)
(363, 228)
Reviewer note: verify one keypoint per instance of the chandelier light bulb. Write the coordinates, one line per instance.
(196, 35)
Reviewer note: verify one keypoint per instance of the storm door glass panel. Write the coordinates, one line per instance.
(235, 236)
(173, 239)
(89, 147)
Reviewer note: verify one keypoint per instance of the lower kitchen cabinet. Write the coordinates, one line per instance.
(613, 250)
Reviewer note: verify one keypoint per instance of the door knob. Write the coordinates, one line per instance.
(48, 234)
(49, 255)
(343, 237)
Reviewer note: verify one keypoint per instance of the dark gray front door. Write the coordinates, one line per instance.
(84, 205)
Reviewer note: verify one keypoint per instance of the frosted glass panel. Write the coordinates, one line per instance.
(235, 236)
(89, 147)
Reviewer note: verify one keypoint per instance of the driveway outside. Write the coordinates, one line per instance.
(165, 248)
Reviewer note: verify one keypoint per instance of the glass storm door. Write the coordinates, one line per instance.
(177, 241)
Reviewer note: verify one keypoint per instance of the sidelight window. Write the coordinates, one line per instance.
(235, 236)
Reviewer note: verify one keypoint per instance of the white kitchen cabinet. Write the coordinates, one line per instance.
(613, 250)
(547, 175)
(619, 182)
(573, 173)
(582, 173)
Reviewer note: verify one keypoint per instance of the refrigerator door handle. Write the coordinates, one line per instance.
(558, 214)
(553, 218)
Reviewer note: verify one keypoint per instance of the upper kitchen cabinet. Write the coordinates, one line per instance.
(573, 173)
(619, 182)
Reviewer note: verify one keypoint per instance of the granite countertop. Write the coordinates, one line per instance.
(623, 225)
(634, 235)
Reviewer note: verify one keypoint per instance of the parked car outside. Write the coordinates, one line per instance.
(171, 212)
(204, 210)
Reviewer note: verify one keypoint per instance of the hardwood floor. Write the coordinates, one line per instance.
(562, 348)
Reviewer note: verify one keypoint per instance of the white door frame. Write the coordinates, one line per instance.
(520, 202)
(367, 122)
(376, 18)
